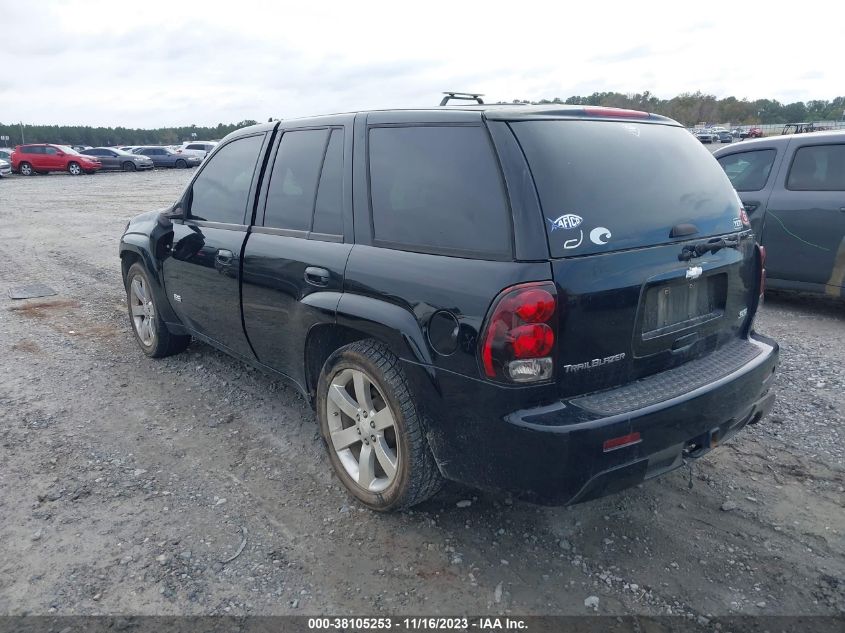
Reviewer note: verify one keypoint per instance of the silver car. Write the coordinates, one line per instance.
(197, 148)
(5, 168)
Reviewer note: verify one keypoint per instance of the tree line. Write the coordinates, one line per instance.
(97, 136)
(696, 107)
(688, 108)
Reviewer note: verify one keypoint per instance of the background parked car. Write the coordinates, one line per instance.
(705, 136)
(754, 132)
(166, 157)
(793, 189)
(113, 158)
(5, 168)
(197, 148)
(6, 154)
(723, 135)
(42, 158)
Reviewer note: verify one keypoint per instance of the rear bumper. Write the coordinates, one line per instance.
(556, 453)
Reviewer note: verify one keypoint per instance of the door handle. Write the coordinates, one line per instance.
(750, 206)
(842, 209)
(317, 276)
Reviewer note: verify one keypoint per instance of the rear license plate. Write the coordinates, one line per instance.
(677, 305)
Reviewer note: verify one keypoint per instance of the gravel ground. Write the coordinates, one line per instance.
(197, 485)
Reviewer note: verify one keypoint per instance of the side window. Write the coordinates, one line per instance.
(438, 189)
(293, 183)
(328, 211)
(52, 151)
(818, 168)
(221, 191)
(194, 147)
(749, 171)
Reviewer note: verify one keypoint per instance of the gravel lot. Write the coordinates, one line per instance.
(125, 482)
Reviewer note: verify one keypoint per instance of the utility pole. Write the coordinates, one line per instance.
(22, 140)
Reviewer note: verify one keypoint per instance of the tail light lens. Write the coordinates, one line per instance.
(518, 338)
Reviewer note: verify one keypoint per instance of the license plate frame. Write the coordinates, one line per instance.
(677, 305)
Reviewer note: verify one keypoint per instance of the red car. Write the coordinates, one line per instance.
(755, 132)
(41, 158)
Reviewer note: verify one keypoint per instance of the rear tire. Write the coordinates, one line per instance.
(129, 166)
(181, 164)
(74, 168)
(26, 169)
(402, 471)
(152, 335)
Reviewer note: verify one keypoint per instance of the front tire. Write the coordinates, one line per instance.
(74, 168)
(129, 166)
(181, 164)
(153, 337)
(26, 169)
(372, 428)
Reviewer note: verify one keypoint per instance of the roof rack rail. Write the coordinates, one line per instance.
(462, 96)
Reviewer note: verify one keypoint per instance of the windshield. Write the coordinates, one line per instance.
(68, 150)
(609, 185)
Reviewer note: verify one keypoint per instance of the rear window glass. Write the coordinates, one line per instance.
(329, 206)
(293, 183)
(749, 171)
(438, 189)
(611, 185)
(818, 168)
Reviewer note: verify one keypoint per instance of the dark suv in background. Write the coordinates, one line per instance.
(553, 301)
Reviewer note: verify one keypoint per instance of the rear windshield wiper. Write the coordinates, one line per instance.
(711, 246)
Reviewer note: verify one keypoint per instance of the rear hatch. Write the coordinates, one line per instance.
(625, 203)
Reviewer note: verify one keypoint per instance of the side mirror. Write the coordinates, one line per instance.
(176, 212)
(60, 153)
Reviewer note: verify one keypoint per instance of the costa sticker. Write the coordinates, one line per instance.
(600, 235)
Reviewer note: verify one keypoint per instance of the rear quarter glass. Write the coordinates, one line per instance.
(612, 185)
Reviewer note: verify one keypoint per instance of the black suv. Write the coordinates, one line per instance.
(553, 301)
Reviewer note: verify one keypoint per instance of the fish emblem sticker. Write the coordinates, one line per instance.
(566, 221)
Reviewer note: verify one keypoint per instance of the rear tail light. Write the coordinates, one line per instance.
(518, 339)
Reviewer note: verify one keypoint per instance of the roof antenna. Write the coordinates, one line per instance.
(462, 96)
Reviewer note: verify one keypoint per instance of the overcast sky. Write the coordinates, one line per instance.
(149, 63)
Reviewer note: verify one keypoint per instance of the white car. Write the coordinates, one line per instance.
(5, 168)
(197, 148)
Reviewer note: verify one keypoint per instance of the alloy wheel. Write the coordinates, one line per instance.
(143, 310)
(74, 169)
(362, 430)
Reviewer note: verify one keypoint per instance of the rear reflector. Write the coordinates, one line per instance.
(622, 442)
(616, 112)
